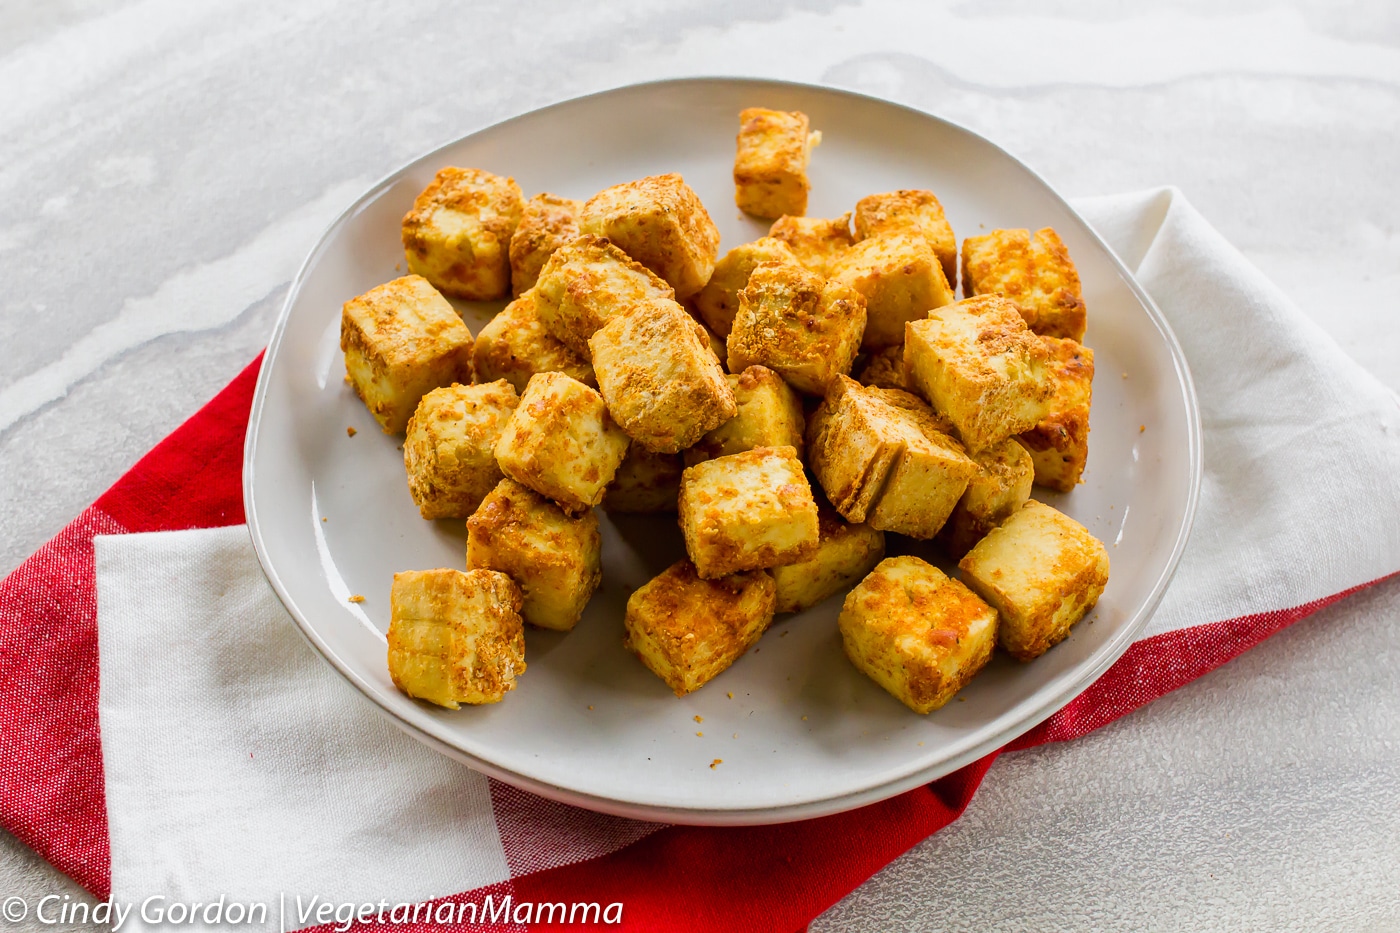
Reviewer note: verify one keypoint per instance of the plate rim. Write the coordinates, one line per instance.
(701, 815)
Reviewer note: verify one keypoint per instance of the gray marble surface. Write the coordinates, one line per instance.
(165, 165)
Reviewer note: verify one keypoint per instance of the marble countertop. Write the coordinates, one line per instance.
(164, 167)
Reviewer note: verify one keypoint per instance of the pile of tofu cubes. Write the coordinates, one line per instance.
(635, 370)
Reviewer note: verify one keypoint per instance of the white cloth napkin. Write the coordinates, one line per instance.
(237, 763)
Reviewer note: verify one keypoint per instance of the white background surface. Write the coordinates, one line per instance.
(164, 166)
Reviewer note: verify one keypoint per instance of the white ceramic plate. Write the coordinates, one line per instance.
(800, 732)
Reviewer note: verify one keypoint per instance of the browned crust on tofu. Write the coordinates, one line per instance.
(816, 242)
(910, 209)
(660, 222)
(1036, 273)
(492, 201)
(587, 281)
(718, 301)
(770, 162)
(449, 450)
(547, 222)
(515, 345)
(646, 482)
(1059, 444)
(885, 370)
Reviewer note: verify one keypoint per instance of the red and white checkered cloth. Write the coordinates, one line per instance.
(1299, 508)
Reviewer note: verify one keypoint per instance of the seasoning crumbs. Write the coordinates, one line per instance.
(357, 598)
(699, 718)
(717, 761)
(351, 432)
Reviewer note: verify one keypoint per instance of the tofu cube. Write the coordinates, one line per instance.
(1001, 485)
(1035, 273)
(816, 242)
(450, 450)
(747, 511)
(688, 630)
(882, 456)
(455, 637)
(547, 222)
(555, 558)
(793, 321)
(718, 301)
(914, 211)
(660, 222)
(917, 632)
(884, 370)
(845, 554)
(514, 346)
(1042, 571)
(561, 442)
(402, 340)
(457, 236)
(980, 366)
(646, 482)
(1059, 443)
(584, 283)
(662, 382)
(770, 166)
(901, 279)
(770, 415)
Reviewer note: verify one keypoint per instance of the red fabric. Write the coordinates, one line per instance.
(677, 879)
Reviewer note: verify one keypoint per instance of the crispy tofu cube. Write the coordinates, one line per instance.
(584, 283)
(747, 511)
(901, 279)
(1042, 571)
(688, 630)
(515, 345)
(457, 236)
(402, 340)
(718, 301)
(1035, 273)
(561, 442)
(914, 211)
(917, 632)
(816, 242)
(547, 222)
(770, 166)
(661, 380)
(770, 415)
(646, 482)
(1059, 444)
(455, 637)
(845, 554)
(660, 222)
(883, 456)
(450, 450)
(884, 370)
(555, 558)
(1001, 485)
(980, 366)
(798, 324)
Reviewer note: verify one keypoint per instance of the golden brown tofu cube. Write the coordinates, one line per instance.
(770, 415)
(901, 279)
(457, 236)
(1059, 444)
(815, 241)
(884, 370)
(450, 450)
(547, 222)
(718, 301)
(845, 554)
(688, 630)
(1001, 485)
(561, 442)
(1035, 273)
(980, 366)
(663, 383)
(882, 456)
(555, 558)
(402, 340)
(770, 165)
(913, 211)
(747, 511)
(514, 346)
(646, 482)
(917, 632)
(455, 637)
(1042, 571)
(660, 222)
(584, 283)
(793, 321)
